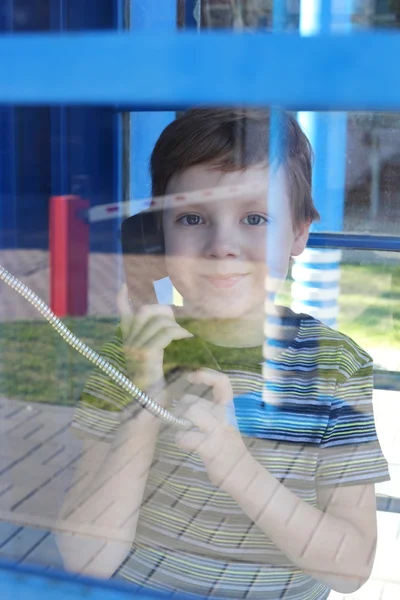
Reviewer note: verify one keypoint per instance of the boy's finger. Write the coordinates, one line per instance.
(201, 412)
(148, 315)
(190, 441)
(124, 306)
(149, 310)
(148, 322)
(219, 382)
(164, 337)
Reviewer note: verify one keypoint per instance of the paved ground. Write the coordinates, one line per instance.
(38, 454)
(37, 459)
(32, 268)
(385, 581)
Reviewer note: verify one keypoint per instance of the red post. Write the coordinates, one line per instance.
(69, 252)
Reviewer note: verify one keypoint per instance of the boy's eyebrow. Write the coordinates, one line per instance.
(188, 206)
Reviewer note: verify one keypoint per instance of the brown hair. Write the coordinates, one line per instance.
(234, 139)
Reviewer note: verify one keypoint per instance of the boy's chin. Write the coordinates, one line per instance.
(222, 311)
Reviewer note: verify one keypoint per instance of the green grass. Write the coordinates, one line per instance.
(37, 366)
(369, 304)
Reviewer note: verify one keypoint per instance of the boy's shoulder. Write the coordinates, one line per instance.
(329, 344)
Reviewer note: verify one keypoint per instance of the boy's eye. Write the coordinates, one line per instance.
(190, 219)
(255, 219)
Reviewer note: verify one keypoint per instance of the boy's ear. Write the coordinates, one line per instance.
(301, 236)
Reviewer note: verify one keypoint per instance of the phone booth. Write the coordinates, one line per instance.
(86, 89)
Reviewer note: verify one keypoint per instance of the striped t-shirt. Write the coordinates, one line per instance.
(309, 422)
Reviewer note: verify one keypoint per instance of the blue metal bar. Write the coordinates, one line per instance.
(315, 16)
(139, 70)
(31, 583)
(275, 192)
(153, 15)
(145, 127)
(350, 241)
(327, 133)
(119, 157)
(279, 15)
(388, 504)
(160, 18)
(190, 17)
(58, 119)
(118, 126)
(328, 136)
(8, 183)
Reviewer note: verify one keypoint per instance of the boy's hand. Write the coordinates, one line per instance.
(217, 442)
(146, 334)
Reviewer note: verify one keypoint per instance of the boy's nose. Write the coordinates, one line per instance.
(223, 242)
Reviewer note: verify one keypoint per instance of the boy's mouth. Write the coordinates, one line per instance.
(225, 281)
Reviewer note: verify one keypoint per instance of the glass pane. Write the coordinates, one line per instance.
(61, 425)
(373, 150)
(212, 243)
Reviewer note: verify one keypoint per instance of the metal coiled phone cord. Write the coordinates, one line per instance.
(153, 407)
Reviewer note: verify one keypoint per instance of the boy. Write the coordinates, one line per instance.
(281, 503)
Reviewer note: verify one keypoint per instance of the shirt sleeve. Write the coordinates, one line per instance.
(350, 452)
(103, 405)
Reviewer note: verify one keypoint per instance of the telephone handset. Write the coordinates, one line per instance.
(143, 253)
(143, 249)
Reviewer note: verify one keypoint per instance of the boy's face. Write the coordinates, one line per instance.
(219, 252)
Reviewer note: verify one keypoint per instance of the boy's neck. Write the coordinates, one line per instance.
(235, 333)
(246, 332)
